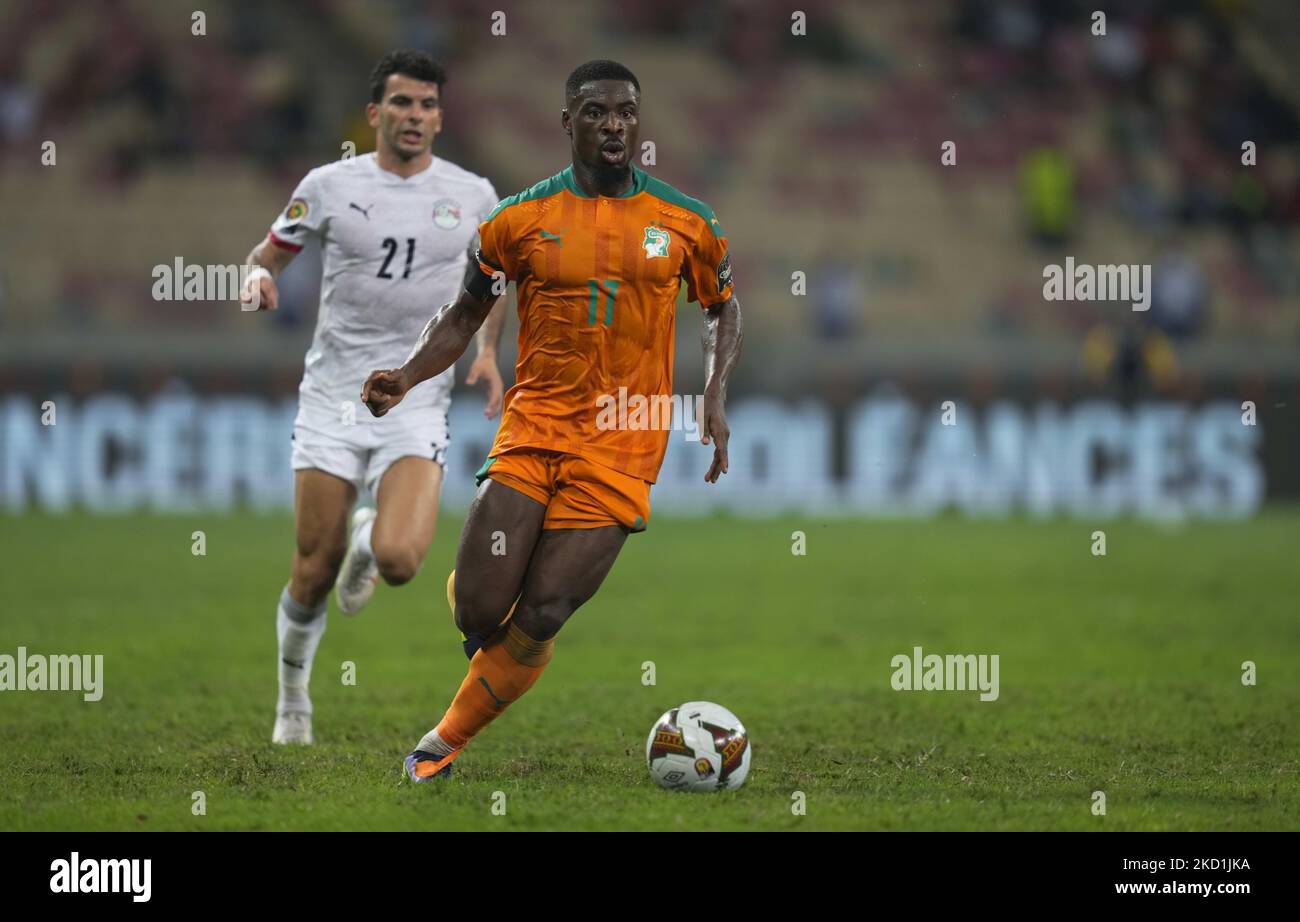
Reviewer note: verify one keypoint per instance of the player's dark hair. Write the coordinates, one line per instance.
(597, 70)
(409, 63)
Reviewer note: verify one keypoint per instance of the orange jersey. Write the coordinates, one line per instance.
(597, 282)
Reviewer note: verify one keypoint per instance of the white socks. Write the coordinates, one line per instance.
(432, 743)
(299, 629)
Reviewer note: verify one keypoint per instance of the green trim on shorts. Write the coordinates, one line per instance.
(481, 474)
(638, 526)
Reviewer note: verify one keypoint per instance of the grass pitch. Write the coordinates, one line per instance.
(1119, 674)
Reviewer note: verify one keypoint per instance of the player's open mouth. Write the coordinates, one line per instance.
(613, 153)
(412, 137)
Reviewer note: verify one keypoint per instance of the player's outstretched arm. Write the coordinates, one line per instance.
(265, 261)
(443, 340)
(724, 333)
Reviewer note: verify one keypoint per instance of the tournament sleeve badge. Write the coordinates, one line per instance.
(724, 273)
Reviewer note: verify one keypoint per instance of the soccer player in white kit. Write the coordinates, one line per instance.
(395, 228)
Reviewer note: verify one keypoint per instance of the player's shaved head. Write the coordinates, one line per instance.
(601, 116)
(593, 71)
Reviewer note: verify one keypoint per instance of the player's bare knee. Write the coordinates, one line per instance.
(320, 580)
(397, 565)
(314, 575)
(543, 620)
(480, 606)
(310, 586)
(475, 618)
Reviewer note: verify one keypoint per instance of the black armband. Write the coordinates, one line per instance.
(479, 283)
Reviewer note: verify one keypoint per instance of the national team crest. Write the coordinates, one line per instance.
(446, 213)
(297, 210)
(656, 242)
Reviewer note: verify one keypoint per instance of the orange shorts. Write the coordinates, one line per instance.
(577, 493)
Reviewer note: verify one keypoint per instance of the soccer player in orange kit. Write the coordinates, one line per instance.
(598, 253)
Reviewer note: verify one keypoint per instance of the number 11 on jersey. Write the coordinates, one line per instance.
(610, 288)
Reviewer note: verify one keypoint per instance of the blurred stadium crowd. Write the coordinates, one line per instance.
(820, 154)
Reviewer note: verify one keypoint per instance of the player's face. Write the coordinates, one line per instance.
(408, 116)
(603, 121)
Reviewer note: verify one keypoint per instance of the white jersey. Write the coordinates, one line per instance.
(393, 251)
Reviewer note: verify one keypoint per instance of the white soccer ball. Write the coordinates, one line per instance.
(700, 746)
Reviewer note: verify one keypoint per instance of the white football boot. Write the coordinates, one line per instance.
(292, 728)
(360, 571)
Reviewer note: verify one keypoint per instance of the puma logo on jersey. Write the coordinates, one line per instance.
(365, 211)
(656, 242)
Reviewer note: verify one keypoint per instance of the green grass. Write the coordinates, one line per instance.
(1119, 674)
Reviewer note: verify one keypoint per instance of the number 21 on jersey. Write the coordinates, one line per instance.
(390, 245)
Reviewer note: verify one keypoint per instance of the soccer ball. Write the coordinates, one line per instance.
(699, 746)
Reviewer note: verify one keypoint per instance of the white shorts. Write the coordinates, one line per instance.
(360, 448)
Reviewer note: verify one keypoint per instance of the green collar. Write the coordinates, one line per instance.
(639, 182)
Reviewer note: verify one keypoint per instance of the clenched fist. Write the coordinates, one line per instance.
(384, 390)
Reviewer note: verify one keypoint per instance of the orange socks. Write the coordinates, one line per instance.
(499, 674)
